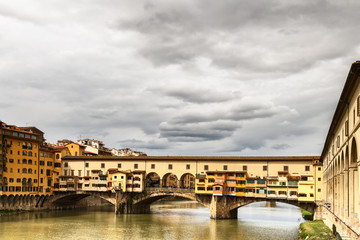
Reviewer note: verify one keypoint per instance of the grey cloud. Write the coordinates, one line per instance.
(203, 95)
(281, 146)
(140, 144)
(242, 111)
(197, 132)
(182, 31)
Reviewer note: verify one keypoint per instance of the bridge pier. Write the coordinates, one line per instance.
(220, 208)
(271, 203)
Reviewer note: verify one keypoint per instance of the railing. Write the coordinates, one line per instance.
(170, 190)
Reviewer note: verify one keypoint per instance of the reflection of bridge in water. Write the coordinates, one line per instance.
(221, 207)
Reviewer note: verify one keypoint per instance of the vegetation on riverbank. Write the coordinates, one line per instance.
(315, 230)
(307, 215)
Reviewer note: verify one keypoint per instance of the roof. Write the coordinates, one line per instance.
(346, 94)
(193, 158)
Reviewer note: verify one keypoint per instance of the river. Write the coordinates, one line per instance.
(169, 220)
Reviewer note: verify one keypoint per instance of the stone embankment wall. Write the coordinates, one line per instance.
(336, 224)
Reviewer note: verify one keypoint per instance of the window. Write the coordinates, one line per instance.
(319, 179)
(48, 172)
(24, 161)
(319, 189)
(170, 166)
(103, 165)
(152, 166)
(49, 163)
(136, 166)
(119, 165)
(24, 170)
(307, 168)
(264, 168)
(57, 156)
(29, 170)
(11, 160)
(87, 165)
(24, 153)
(187, 166)
(65, 172)
(319, 168)
(206, 167)
(286, 168)
(244, 168)
(347, 128)
(66, 164)
(338, 141)
(41, 171)
(225, 167)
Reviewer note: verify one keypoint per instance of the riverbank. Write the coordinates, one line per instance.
(314, 230)
(10, 212)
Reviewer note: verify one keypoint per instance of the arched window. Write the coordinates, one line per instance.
(24, 170)
(57, 156)
(24, 161)
(29, 170)
(24, 153)
(29, 146)
(29, 153)
(30, 161)
(24, 145)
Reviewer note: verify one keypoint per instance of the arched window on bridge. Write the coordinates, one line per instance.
(187, 181)
(170, 181)
(152, 180)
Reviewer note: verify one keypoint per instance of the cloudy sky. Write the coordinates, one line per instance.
(187, 77)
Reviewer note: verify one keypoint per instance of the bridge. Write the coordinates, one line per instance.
(221, 207)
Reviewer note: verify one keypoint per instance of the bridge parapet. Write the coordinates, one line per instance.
(169, 190)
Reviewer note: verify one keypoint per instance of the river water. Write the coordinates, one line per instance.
(169, 220)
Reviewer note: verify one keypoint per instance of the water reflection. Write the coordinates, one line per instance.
(169, 220)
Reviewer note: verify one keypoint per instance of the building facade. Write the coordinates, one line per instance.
(27, 166)
(340, 158)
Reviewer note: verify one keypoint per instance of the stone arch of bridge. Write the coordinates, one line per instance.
(73, 198)
(151, 198)
(305, 205)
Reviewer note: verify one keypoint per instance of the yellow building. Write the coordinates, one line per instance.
(204, 183)
(240, 183)
(117, 179)
(19, 169)
(76, 149)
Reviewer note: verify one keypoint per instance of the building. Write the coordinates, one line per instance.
(300, 185)
(24, 169)
(341, 162)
